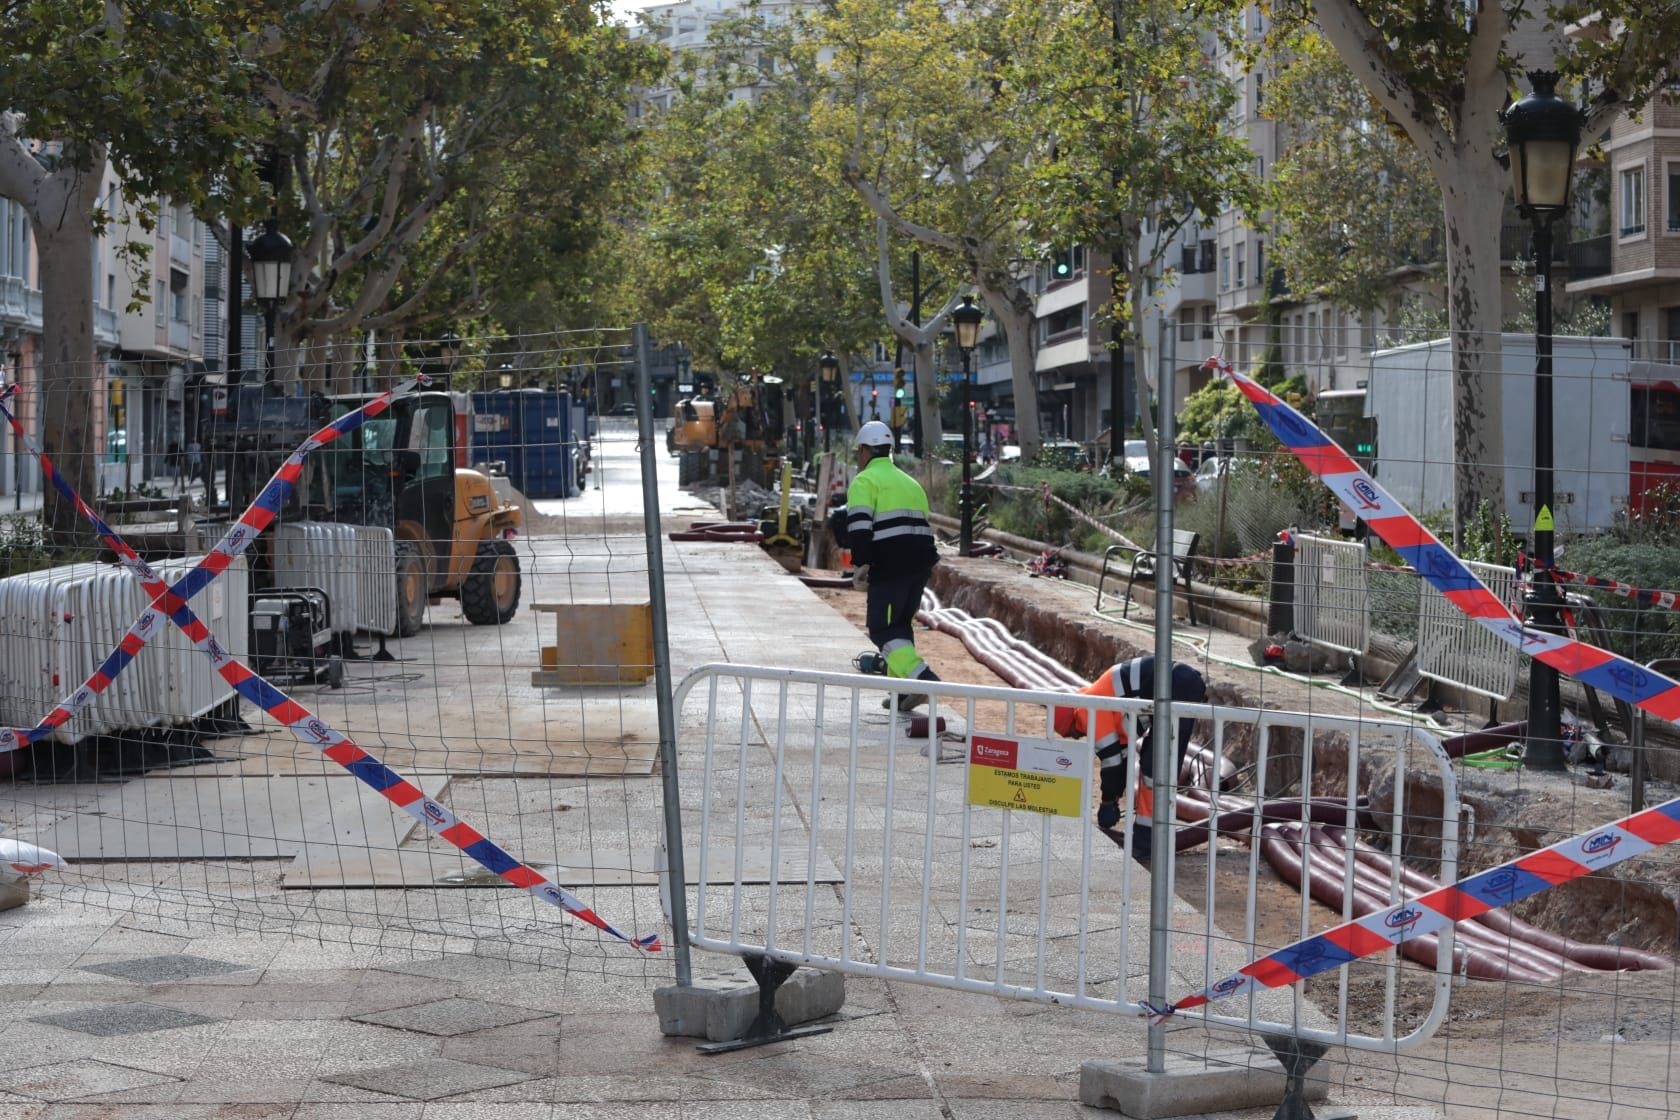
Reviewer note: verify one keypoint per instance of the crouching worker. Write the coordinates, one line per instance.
(1134, 678)
(893, 553)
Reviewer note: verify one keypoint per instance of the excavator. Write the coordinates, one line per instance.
(398, 471)
(746, 417)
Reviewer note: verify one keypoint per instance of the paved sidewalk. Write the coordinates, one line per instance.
(188, 991)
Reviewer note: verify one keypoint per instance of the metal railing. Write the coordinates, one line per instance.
(1455, 649)
(825, 837)
(1589, 257)
(1332, 593)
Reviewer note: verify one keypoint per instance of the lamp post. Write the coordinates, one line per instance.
(271, 279)
(830, 367)
(1542, 131)
(966, 321)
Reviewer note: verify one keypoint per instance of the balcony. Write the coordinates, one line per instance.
(20, 305)
(107, 329)
(1664, 351)
(180, 251)
(1589, 257)
(1516, 242)
(180, 336)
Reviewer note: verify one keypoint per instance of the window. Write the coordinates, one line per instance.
(1260, 260)
(198, 316)
(1632, 181)
(1067, 320)
(111, 291)
(1259, 90)
(178, 296)
(157, 302)
(1674, 198)
(1242, 264)
(1224, 269)
(1630, 324)
(1239, 109)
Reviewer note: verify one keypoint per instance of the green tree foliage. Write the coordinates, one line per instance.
(1354, 207)
(1138, 144)
(1442, 73)
(747, 252)
(158, 88)
(445, 158)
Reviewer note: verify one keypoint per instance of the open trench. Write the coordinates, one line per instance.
(1619, 921)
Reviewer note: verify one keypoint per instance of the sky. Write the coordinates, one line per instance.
(626, 9)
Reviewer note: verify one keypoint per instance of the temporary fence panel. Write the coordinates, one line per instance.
(321, 554)
(193, 688)
(376, 571)
(988, 876)
(1454, 649)
(1332, 593)
(60, 624)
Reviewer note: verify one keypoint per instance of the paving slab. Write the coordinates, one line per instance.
(429, 1080)
(64, 1081)
(165, 969)
(450, 1017)
(123, 1018)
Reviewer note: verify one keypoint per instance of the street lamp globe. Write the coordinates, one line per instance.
(1542, 132)
(967, 319)
(504, 379)
(271, 263)
(829, 364)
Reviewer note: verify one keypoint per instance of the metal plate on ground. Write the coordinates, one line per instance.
(438, 867)
(179, 818)
(507, 731)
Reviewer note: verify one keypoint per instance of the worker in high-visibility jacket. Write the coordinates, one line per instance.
(1134, 678)
(893, 553)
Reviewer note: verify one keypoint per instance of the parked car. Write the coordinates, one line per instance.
(628, 408)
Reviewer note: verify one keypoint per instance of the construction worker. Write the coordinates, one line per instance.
(893, 553)
(1134, 678)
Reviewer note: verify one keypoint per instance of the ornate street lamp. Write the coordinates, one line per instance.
(830, 367)
(271, 279)
(1542, 132)
(965, 322)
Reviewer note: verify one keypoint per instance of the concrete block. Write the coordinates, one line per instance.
(1222, 1082)
(13, 893)
(721, 1006)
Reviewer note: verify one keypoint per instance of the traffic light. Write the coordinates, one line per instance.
(874, 395)
(1061, 265)
(898, 384)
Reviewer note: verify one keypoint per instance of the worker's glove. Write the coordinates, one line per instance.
(860, 577)
(1108, 814)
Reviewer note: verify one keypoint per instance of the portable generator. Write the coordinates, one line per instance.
(292, 636)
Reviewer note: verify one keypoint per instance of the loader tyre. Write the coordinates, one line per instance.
(685, 469)
(490, 595)
(411, 589)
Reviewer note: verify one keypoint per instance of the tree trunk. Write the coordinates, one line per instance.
(927, 392)
(1474, 304)
(67, 377)
(1013, 311)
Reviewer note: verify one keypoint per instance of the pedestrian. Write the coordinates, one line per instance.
(893, 553)
(1134, 678)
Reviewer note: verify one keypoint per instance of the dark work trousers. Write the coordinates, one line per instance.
(1189, 687)
(892, 605)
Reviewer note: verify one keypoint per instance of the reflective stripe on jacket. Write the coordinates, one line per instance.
(887, 523)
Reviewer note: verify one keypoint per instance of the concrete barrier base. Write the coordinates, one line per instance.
(719, 1007)
(1224, 1081)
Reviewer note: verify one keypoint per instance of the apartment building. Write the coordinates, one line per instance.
(686, 28)
(1630, 207)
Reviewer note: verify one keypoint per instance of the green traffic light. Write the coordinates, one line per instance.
(899, 392)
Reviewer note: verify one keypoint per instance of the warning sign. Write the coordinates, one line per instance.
(1031, 774)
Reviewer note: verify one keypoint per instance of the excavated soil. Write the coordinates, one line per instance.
(1507, 814)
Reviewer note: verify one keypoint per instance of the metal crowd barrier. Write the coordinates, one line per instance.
(1453, 649)
(822, 835)
(1332, 593)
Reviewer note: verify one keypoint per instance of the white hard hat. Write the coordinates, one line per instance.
(874, 434)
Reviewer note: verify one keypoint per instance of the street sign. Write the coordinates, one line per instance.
(1034, 775)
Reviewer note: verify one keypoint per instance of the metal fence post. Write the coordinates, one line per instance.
(1165, 775)
(662, 661)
